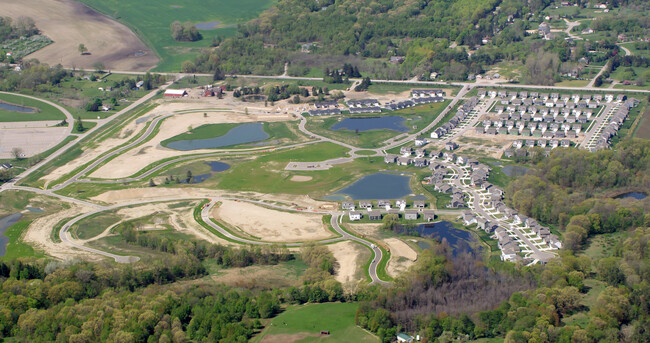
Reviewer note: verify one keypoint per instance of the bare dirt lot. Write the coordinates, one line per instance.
(32, 141)
(132, 161)
(402, 257)
(300, 178)
(69, 23)
(271, 225)
(38, 235)
(349, 256)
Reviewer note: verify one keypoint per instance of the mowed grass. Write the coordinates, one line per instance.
(44, 112)
(151, 19)
(309, 320)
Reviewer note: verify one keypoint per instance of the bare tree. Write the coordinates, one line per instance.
(17, 153)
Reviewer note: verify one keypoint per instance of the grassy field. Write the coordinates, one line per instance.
(643, 129)
(266, 174)
(93, 225)
(304, 324)
(44, 111)
(257, 82)
(15, 247)
(151, 19)
(87, 126)
(393, 88)
(572, 83)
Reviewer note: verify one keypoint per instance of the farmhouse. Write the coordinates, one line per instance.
(175, 93)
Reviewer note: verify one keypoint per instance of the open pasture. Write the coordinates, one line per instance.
(304, 323)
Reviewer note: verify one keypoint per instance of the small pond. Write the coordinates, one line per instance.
(253, 98)
(15, 108)
(459, 240)
(512, 170)
(5, 223)
(198, 178)
(217, 166)
(34, 209)
(635, 195)
(371, 123)
(246, 133)
(207, 26)
(378, 186)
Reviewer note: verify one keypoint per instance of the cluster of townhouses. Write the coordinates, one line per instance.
(418, 97)
(462, 112)
(517, 147)
(325, 108)
(615, 123)
(363, 106)
(376, 212)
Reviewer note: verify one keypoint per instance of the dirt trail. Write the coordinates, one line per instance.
(69, 23)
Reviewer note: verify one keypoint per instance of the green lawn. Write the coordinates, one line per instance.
(307, 321)
(44, 111)
(151, 19)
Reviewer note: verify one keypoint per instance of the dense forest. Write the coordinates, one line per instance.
(452, 40)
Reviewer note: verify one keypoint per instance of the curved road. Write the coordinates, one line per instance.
(66, 237)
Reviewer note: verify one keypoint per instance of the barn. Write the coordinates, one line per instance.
(175, 93)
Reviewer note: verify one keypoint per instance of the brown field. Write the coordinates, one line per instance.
(69, 23)
(644, 126)
(271, 225)
(402, 257)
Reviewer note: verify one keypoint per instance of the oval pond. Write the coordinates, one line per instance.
(246, 133)
(378, 186)
(371, 123)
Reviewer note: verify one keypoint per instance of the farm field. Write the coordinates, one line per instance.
(151, 19)
(44, 111)
(108, 41)
(304, 324)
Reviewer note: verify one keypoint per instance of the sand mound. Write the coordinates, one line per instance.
(301, 178)
(271, 225)
(402, 257)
